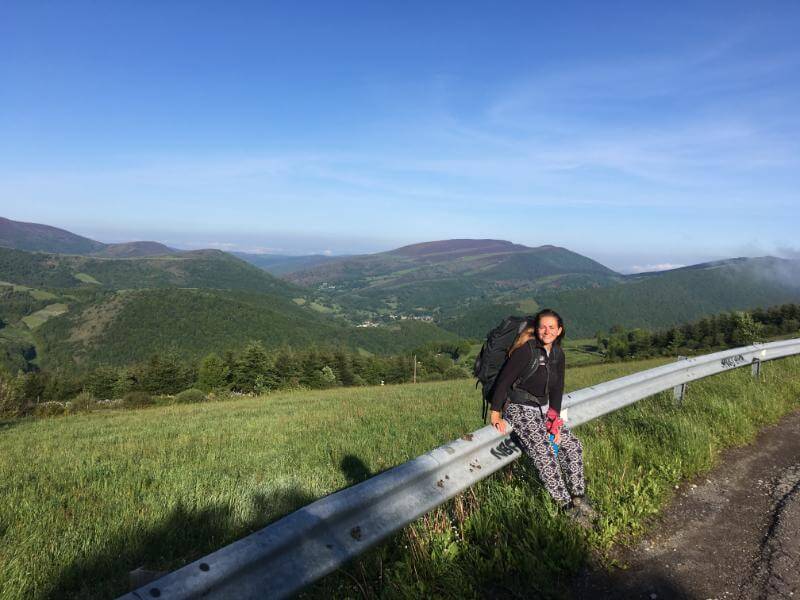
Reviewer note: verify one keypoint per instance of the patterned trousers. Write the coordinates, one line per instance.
(530, 434)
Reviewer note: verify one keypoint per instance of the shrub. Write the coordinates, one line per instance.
(455, 373)
(50, 409)
(137, 400)
(190, 396)
(12, 398)
(83, 402)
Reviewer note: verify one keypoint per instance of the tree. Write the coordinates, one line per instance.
(343, 369)
(127, 381)
(213, 373)
(328, 376)
(164, 374)
(674, 340)
(640, 341)
(288, 369)
(101, 383)
(254, 370)
(12, 399)
(745, 329)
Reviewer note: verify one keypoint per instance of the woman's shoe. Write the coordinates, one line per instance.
(582, 512)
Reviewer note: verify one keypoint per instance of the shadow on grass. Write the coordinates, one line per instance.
(6, 424)
(185, 535)
(510, 549)
(354, 469)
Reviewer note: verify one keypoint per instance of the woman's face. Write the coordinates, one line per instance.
(548, 330)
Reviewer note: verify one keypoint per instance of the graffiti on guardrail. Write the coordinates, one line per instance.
(503, 449)
(732, 361)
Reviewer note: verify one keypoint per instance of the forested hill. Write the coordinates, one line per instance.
(212, 269)
(36, 237)
(488, 260)
(74, 312)
(656, 300)
(445, 277)
(120, 328)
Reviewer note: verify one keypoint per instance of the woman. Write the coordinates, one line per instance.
(528, 394)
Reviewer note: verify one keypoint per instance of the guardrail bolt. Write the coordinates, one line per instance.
(755, 369)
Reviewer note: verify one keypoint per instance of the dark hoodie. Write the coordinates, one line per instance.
(547, 380)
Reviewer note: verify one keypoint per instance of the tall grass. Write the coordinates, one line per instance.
(87, 498)
(506, 538)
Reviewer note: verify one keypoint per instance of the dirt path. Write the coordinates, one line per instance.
(733, 534)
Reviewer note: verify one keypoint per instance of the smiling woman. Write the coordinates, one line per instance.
(528, 395)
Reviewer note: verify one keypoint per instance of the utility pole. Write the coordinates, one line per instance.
(415, 368)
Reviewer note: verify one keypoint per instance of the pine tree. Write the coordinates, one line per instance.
(213, 373)
(253, 363)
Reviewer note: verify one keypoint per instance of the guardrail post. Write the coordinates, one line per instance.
(755, 369)
(679, 391)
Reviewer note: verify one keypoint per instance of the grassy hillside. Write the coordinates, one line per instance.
(448, 276)
(135, 250)
(36, 237)
(163, 486)
(654, 300)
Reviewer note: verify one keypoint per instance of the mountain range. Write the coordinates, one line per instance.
(69, 300)
(35, 237)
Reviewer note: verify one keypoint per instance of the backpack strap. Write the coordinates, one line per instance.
(532, 366)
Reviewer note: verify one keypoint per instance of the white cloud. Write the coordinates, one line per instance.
(650, 268)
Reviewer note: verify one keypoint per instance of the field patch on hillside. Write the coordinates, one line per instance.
(36, 294)
(86, 278)
(40, 317)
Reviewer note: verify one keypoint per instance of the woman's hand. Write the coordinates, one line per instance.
(553, 424)
(497, 421)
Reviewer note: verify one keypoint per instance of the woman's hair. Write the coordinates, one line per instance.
(549, 312)
(522, 338)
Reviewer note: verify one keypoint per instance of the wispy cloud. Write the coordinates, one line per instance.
(650, 268)
(617, 148)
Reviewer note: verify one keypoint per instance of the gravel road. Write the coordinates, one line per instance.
(732, 534)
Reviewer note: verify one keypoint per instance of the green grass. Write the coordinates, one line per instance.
(87, 498)
(40, 317)
(582, 352)
(505, 538)
(528, 307)
(86, 278)
(37, 294)
(320, 308)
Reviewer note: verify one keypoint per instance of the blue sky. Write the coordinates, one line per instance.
(638, 134)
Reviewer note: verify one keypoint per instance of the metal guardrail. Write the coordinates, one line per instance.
(313, 541)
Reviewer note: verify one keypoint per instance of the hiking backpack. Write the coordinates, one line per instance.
(493, 355)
